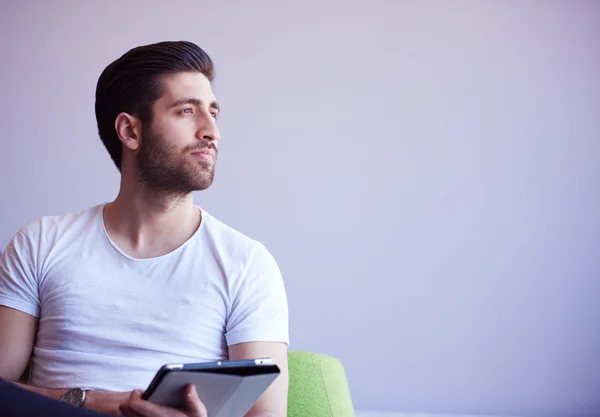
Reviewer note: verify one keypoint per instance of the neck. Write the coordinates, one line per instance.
(145, 223)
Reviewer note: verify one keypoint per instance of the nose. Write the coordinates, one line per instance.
(208, 130)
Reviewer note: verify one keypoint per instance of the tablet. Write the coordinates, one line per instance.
(227, 388)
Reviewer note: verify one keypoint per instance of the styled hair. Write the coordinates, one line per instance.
(133, 83)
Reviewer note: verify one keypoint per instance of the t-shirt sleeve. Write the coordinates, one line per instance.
(259, 311)
(18, 277)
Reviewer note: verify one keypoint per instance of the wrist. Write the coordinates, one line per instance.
(56, 393)
(89, 400)
(77, 397)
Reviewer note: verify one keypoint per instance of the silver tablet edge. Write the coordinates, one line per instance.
(264, 361)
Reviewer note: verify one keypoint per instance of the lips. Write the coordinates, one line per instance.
(204, 154)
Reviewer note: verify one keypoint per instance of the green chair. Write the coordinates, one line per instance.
(318, 386)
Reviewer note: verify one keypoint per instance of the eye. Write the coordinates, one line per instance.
(187, 110)
(214, 114)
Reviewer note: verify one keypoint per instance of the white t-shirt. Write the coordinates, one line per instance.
(109, 321)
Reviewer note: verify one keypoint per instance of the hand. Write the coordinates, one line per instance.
(106, 402)
(136, 407)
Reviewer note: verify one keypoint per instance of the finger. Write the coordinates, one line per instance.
(148, 409)
(125, 408)
(136, 394)
(126, 411)
(133, 395)
(194, 405)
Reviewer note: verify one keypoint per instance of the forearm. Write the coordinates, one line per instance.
(106, 402)
(17, 400)
(55, 393)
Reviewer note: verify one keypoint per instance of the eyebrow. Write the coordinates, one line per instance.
(197, 102)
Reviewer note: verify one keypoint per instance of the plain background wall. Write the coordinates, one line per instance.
(426, 173)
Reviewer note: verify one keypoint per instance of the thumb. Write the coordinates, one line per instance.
(136, 394)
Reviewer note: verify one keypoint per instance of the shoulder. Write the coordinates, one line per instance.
(232, 242)
(49, 228)
(226, 235)
(31, 245)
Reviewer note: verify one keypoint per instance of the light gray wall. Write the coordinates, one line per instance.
(425, 172)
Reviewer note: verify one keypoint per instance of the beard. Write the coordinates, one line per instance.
(166, 170)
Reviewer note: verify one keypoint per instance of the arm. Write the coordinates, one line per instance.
(19, 309)
(19, 312)
(16, 344)
(258, 327)
(17, 338)
(273, 403)
(17, 402)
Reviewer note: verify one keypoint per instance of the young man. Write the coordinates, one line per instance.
(103, 297)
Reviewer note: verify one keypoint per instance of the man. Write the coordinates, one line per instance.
(103, 297)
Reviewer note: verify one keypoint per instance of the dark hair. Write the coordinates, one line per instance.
(132, 84)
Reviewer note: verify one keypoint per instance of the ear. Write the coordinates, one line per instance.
(129, 130)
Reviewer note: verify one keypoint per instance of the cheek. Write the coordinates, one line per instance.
(181, 130)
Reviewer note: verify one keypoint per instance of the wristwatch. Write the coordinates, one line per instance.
(76, 396)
